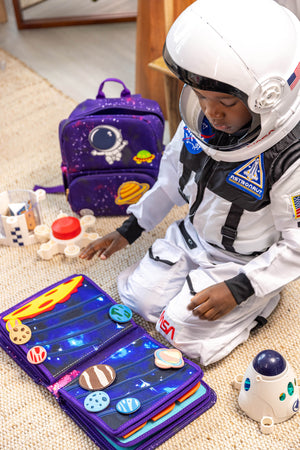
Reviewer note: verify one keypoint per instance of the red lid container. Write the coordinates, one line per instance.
(66, 228)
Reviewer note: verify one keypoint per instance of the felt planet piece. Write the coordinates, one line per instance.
(97, 377)
(120, 313)
(37, 354)
(130, 192)
(128, 405)
(96, 401)
(20, 334)
(168, 358)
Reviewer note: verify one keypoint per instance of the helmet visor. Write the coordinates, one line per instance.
(217, 130)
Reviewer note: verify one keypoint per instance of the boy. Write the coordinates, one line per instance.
(236, 159)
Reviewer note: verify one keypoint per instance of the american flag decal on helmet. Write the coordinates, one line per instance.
(296, 205)
(294, 78)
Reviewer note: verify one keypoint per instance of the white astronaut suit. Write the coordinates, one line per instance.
(243, 224)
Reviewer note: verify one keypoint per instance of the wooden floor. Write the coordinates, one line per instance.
(75, 59)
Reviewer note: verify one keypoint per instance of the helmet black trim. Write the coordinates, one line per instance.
(198, 81)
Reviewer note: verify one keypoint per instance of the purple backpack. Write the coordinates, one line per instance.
(111, 150)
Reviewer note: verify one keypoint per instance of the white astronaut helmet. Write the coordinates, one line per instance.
(249, 49)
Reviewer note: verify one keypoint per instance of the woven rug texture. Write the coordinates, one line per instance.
(31, 419)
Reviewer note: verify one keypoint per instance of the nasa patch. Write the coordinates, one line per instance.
(192, 145)
(249, 177)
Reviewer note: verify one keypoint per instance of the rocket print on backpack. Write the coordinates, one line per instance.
(111, 150)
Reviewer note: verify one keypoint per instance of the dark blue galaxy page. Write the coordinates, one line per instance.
(138, 377)
(71, 331)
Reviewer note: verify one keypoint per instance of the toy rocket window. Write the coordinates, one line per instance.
(247, 384)
(290, 388)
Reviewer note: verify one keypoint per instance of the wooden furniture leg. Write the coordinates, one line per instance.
(153, 22)
(3, 15)
(172, 90)
(150, 37)
(172, 94)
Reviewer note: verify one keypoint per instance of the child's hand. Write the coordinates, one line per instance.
(106, 246)
(213, 302)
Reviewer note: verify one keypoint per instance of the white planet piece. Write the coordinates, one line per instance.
(269, 390)
(66, 235)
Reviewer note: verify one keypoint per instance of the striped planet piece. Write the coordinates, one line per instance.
(168, 358)
(97, 377)
(37, 354)
(128, 405)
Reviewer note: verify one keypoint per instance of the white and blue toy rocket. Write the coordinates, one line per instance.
(269, 390)
(20, 213)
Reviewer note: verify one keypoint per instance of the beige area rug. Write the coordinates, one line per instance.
(31, 419)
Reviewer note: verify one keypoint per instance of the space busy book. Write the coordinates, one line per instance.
(119, 384)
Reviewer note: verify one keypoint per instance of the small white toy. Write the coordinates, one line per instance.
(67, 235)
(269, 390)
(20, 213)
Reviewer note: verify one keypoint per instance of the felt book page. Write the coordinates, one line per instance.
(69, 320)
(123, 387)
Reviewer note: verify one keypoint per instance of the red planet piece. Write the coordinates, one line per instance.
(37, 355)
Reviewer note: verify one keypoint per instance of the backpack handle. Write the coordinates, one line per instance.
(125, 92)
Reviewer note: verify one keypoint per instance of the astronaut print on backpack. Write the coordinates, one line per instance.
(108, 141)
(111, 150)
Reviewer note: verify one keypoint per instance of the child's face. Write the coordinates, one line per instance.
(224, 111)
